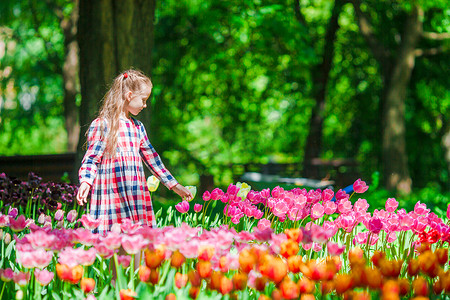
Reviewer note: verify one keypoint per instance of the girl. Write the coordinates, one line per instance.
(112, 165)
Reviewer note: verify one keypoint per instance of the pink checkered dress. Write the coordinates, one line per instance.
(119, 188)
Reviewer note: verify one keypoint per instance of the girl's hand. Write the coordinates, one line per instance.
(83, 192)
(183, 192)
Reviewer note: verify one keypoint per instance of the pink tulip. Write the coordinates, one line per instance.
(216, 194)
(18, 224)
(41, 239)
(21, 278)
(43, 276)
(361, 205)
(341, 195)
(129, 227)
(329, 207)
(112, 240)
(375, 225)
(346, 222)
(307, 246)
(103, 251)
(317, 211)
(448, 213)
(4, 220)
(391, 204)
(59, 215)
(334, 249)
(134, 244)
(89, 222)
(13, 212)
(327, 195)
(421, 208)
(198, 207)
(206, 196)
(124, 260)
(360, 186)
(344, 206)
(35, 259)
(7, 274)
(84, 237)
(280, 209)
(392, 237)
(182, 207)
(317, 247)
(263, 224)
(72, 216)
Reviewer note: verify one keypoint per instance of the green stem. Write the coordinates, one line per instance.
(132, 272)
(204, 213)
(3, 290)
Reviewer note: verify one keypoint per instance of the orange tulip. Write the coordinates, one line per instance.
(356, 256)
(372, 278)
(305, 285)
(274, 268)
(214, 283)
(420, 286)
(390, 268)
(194, 278)
(294, 234)
(343, 283)
(193, 292)
(438, 287)
(224, 264)
(289, 248)
(404, 286)
(87, 285)
(127, 294)
(276, 295)
(247, 261)
(177, 259)
(289, 290)
(144, 273)
(240, 281)
(154, 276)
(294, 263)
(72, 275)
(226, 285)
(307, 297)
(180, 280)
(377, 256)
(263, 297)
(391, 287)
(428, 263)
(326, 287)
(260, 283)
(171, 296)
(154, 258)
(442, 255)
(204, 268)
(206, 252)
(413, 267)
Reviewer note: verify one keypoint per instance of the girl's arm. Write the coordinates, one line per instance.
(94, 153)
(153, 161)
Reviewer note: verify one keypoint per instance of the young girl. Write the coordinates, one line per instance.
(116, 145)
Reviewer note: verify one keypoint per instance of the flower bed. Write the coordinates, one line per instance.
(269, 244)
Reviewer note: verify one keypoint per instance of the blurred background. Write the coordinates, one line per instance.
(300, 93)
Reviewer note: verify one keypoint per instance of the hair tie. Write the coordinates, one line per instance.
(125, 75)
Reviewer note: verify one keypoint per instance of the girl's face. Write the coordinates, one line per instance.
(137, 101)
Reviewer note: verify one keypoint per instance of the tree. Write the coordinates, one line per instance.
(113, 36)
(320, 77)
(397, 63)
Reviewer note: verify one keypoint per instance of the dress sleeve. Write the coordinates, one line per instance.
(94, 153)
(153, 161)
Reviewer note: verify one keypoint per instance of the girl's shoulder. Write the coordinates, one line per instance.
(136, 122)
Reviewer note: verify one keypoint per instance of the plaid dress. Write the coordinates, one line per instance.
(119, 188)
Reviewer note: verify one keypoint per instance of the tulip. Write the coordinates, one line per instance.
(21, 278)
(204, 268)
(294, 263)
(144, 273)
(226, 285)
(206, 252)
(263, 224)
(171, 296)
(180, 280)
(18, 224)
(420, 286)
(198, 207)
(289, 290)
(182, 207)
(154, 276)
(7, 275)
(133, 244)
(360, 186)
(194, 278)
(334, 249)
(43, 276)
(177, 259)
(72, 216)
(87, 285)
(289, 248)
(442, 255)
(404, 286)
(193, 292)
(89, 222)
(317, 211)
(193, 190)
(127, 294)
(154, 258)
(124, 260)
(59, 215)
(305, 285)
(343, 283)
(240, 281)
(152, 183)
(246, 261)
(391, 205)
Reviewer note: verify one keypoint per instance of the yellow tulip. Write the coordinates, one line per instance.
(193, 190)
(152, 183)
(244, 189)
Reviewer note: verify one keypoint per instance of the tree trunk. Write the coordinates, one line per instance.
(114, 35)
(70, 72)
(395, 158)
(321, 75)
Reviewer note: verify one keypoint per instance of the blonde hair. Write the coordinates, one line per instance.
(114, 103)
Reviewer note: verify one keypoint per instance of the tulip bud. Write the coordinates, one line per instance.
(180, 280)
(226, 285)
(177, 259)
(204, 268)
(240, 281)
(19, 295)
(7, 238)
(87, 285)
(154, 276)
(289, 290)
(171, 296)
(144, 273)
(420, 287)
(193, 292)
